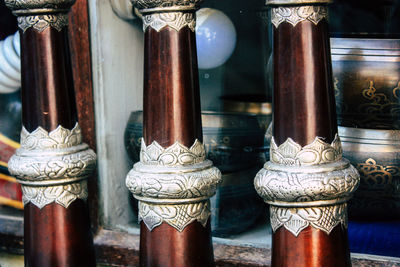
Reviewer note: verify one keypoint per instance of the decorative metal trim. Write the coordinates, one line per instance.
(171, 5)
(41, 14)
(297, 2)
(60, 138)
(324, 218)
(296, 14)
(51, 165)
(329, 182)
(177, 216)
(307, 185)
(175, 155)
(173, 184)
(318, 152)
(174, 20)
(198, 182)
(63, 195)
(42, 22)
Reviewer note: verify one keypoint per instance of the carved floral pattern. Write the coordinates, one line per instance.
(63, 195)
(296, 14)
(178, 216)
(193, 184)
(42, 22)
(174, 20)
(318, 152)
(173, 184)
(145, 4)
(51, 165)
(307, 186)
(297, 219)
(297, 186)
(177, 154)
(40, 139)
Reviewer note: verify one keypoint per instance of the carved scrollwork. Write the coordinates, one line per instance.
(296, 14)
(178, 216)
(318, 152)
(174, 20)
(175, 155)
(325, 218)
(63, 195)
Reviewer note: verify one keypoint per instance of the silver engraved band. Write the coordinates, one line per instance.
(52, 166)
(41, 14)
(173, 184)
(297, 14)
(307, 185)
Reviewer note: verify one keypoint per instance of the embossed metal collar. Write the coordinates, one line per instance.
(175, 155)
(297, 2)
(297, 14)
(318, 152)
(174, 20)
(60, 138)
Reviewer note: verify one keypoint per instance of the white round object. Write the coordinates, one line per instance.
(215, 38)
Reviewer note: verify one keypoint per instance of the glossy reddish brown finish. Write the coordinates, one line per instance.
(311, 248)
(171, 88)
(82, 77)
(48, 98)
(165, 246)
(304, 104)
(56, 236)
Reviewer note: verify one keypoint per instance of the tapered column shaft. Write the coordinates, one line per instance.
(171, 88)
(306, 182)
(52, 164)
(173, 181)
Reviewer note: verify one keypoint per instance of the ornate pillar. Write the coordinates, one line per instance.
(52, 164)
(173, 181)
(306, 182)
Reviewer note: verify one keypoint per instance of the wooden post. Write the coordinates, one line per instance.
(173, 181)
(306, 182)
(52, 164)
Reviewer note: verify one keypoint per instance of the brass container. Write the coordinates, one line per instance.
(366, 75)
(235, 143)
(376, 155)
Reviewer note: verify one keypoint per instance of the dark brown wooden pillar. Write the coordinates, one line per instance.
(52, 164)
(306, 182)
(173, 181)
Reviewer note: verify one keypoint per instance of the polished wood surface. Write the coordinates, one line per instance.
(171, 88)
(48, 98)
(311, 248)
(79, 40)
(304, 104)
(56, 236)
(165, 246)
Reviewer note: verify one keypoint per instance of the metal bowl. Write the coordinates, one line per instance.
(366, 75)
(376, 155)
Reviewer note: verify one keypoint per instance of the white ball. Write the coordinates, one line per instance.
(215, 38)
